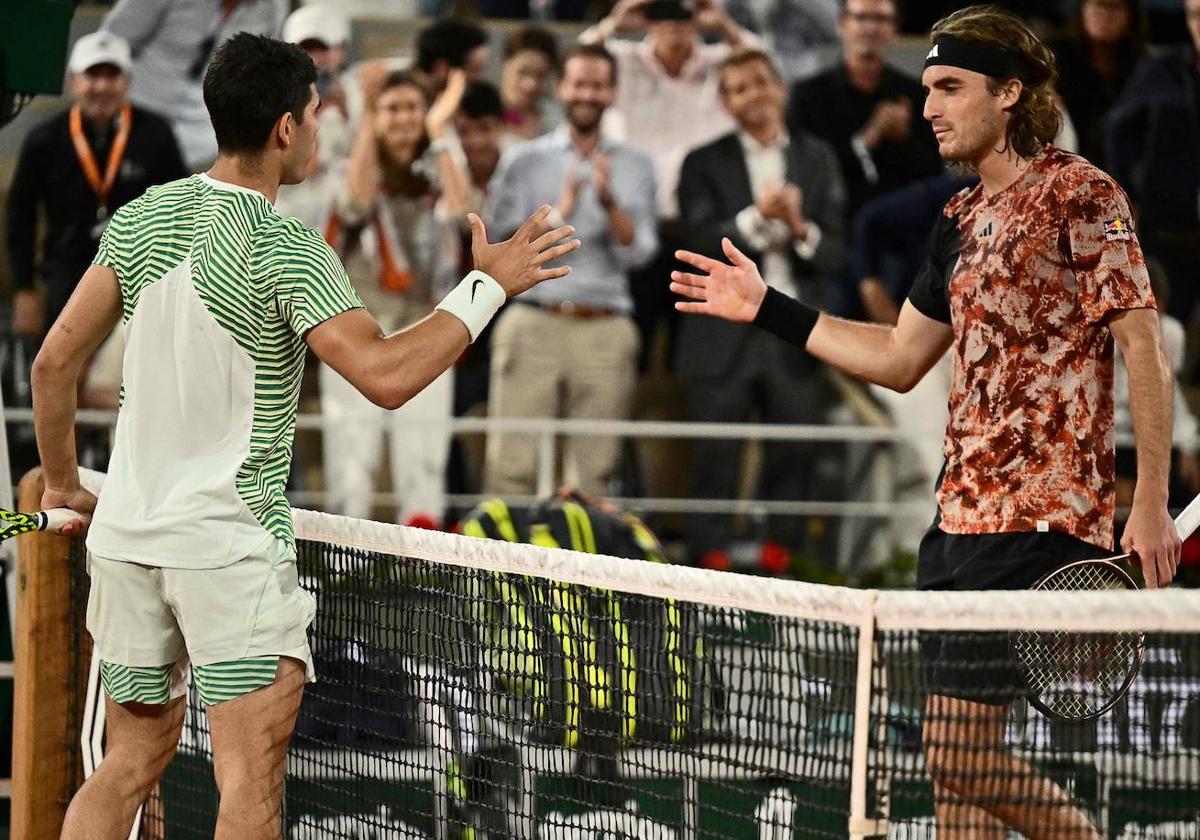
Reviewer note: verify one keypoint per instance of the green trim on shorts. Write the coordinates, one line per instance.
(132, 684)
(217, 683)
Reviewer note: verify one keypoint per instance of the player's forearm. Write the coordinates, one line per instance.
(1151, 402)
(865, 351)
(54, 403)
(401, 365)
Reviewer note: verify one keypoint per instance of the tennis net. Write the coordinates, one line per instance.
(477, 690)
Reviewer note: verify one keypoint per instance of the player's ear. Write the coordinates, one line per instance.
(285, 128)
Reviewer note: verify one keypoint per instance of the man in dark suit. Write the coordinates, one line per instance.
(778, 196)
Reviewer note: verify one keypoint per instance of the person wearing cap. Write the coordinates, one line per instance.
(666, 105)
(77, 168)
(171, 42)
(1032, 277)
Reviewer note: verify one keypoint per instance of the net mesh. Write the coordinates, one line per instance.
(470, 690)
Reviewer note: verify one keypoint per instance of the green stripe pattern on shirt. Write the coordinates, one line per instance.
(265, 279)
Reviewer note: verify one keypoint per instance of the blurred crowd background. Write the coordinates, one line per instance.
(792, 126)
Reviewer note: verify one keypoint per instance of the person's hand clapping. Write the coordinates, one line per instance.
(733, 292)
(443, 109)
(628, 15)
(602, 179)
(371, 76)
(792, 198)
(516, 263)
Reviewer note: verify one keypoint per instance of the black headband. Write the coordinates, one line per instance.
(977, 57)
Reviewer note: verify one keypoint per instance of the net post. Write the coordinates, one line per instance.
(41, 775)
(860, 825)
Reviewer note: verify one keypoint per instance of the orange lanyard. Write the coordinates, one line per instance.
(87, 160)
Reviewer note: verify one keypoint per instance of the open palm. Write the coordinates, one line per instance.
(732, 291)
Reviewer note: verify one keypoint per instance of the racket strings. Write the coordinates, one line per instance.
(1079, 675)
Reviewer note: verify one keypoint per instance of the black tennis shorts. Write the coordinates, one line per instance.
(980, 666)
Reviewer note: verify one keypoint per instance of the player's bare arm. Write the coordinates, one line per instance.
(895, 357)
(390, 369)
(90, 315)
(1150, 533)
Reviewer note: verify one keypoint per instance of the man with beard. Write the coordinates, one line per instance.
(572, 351)
(1031, 276)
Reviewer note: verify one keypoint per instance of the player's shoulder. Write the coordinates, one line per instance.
(962, 201)
(158, 201)
(284, 240)
(1069, 175)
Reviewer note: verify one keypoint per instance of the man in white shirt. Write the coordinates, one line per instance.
(666, 105)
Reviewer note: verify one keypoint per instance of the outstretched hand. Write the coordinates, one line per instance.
(733, 291)
(516, 263)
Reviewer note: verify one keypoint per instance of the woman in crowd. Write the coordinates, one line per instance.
(402, 257)
(530, 62)
(1107, 37)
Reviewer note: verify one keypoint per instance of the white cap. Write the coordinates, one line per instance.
(317, 22)
(100, 48)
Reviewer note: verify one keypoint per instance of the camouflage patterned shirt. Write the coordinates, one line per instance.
(1027, 278)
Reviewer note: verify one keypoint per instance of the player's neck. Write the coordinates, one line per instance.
(249, 174)
(999, 169)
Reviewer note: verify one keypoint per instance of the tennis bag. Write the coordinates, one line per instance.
(591, 665)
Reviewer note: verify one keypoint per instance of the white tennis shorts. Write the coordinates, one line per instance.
(231, 625)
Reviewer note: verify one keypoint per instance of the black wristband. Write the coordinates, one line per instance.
(786, 317)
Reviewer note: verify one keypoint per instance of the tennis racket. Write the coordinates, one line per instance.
(1076, 677)
(13, 524)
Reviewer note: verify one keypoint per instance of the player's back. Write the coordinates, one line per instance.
(211, 372)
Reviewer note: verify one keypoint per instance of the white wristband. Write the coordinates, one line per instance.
(474, 301)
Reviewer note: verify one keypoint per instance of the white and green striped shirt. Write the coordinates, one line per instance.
(219, 291)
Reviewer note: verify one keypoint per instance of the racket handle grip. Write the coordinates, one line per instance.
(55, 519)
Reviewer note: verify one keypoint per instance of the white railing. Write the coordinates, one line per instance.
(549, 430)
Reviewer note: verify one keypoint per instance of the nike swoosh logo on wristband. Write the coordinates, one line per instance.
(474, 286)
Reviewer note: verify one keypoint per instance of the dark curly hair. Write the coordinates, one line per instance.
(1037, 115)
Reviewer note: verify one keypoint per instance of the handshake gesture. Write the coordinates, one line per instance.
(516, 263)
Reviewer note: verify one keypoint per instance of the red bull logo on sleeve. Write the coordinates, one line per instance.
(1117, 229)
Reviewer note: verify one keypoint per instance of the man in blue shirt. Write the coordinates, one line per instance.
(572, 351)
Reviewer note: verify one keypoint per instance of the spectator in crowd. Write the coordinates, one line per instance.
(401, 257)
(870, 112)
(172, 41)
(530, 59)
(442, 47)
(1107, 39)
(803, 34)
(323, 32)
(480, 126)
(1153, 149)
(666, 105)
(76, 169)
(571, 351)
(448, 45)
(778, 195)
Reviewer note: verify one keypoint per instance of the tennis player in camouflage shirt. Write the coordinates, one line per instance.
(1030, 277)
